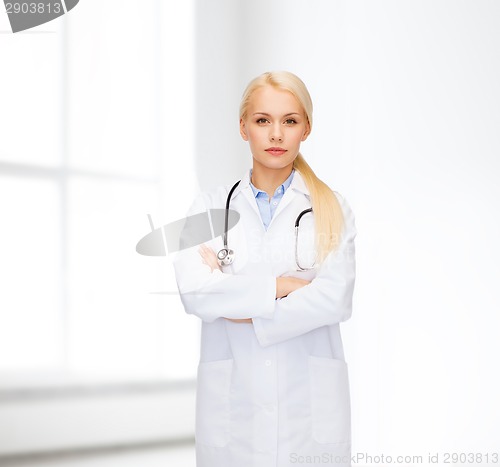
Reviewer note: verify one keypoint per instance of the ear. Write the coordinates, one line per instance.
(306, 132)
(243, 132)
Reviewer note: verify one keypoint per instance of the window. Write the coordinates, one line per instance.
(93, 117)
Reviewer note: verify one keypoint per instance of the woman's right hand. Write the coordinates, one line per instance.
(286, 285)
(209, 257)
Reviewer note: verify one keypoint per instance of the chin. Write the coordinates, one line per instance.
(275, 163)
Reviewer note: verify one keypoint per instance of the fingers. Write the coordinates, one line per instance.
(208, 257)
(204, 252)
(240, 320)
(302, 283)
(288, 284)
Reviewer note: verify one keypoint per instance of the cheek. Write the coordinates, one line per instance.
(297, 136)
(253, 136)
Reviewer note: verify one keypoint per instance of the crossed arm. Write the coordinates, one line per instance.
(326, 300)
(284, 285)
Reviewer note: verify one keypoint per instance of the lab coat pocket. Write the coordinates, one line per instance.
(330, 400)
(212, 402)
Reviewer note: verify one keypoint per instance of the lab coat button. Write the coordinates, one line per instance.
(268, 362)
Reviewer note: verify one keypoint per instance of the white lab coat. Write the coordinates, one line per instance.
(274, 393)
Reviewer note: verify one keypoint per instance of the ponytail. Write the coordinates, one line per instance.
(328, 217)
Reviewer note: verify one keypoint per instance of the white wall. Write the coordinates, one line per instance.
(406, 127)
(93, 116)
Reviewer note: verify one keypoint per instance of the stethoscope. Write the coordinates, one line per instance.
(225, 256)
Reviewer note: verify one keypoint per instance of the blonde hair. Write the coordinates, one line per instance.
(328, 217)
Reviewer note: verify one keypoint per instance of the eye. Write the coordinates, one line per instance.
(262, 120)
(290, 121)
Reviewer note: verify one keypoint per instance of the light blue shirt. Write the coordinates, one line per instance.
(266, 207)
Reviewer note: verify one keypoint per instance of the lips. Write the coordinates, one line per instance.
(276, 151)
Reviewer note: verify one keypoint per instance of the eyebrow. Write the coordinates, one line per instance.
(267, 115)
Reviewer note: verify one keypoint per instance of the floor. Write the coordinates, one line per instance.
(178, 456)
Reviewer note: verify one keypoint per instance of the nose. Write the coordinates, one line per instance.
(276, 134)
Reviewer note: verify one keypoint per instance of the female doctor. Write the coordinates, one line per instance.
(272, 387)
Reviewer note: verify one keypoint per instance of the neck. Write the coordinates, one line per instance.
(269, 179)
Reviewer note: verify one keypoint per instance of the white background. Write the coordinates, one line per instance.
(406, 126)
(406, 118)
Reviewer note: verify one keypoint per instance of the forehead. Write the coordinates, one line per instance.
(270, 100)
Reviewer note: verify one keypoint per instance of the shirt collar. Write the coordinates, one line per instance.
(284, 185)
(297, 183)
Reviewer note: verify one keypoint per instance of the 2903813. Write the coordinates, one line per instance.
(470, 457)
(40, 8)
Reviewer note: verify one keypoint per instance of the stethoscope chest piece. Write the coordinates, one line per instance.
(225, 257)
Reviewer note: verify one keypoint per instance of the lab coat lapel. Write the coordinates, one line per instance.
(297, 187)
(245, 190)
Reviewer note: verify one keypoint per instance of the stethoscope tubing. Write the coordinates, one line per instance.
(226, 217)
(226, 225)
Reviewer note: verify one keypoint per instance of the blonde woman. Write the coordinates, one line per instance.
(272, 387)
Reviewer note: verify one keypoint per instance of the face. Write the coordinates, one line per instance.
(274, 127)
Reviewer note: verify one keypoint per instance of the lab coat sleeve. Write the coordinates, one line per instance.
(325, 301)
(211, 295)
